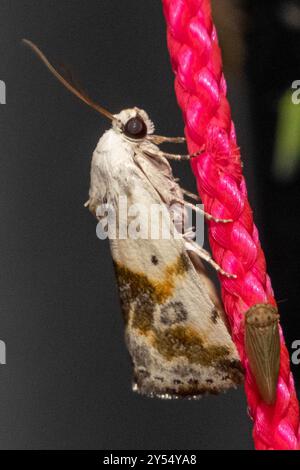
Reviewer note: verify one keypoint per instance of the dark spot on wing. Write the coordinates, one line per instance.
(214, 316)
(177, 382)
(193, 382)
(154, 260)
(173, 313)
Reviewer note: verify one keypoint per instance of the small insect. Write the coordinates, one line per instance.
(262, 343)
(176, 330)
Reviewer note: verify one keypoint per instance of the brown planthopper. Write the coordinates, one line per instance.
(262, 342)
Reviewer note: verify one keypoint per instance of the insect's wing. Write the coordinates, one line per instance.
(262, 342)
(159, 173)
(178, 342)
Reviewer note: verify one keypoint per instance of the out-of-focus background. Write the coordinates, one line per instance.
(66, 384)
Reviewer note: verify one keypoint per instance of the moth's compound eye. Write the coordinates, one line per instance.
(135, 128)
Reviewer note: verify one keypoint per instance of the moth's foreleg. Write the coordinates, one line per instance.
(205, 255)
(159, 139)
(173, 156)
(201, 211)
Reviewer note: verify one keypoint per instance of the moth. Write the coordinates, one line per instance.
(175, 326)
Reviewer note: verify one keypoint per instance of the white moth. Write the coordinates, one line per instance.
(176, 330)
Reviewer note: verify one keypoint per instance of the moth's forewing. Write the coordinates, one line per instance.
(262, 342)
(178, 342)
(176, 337)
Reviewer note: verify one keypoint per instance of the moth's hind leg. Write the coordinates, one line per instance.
(173, 156)
(201, 211)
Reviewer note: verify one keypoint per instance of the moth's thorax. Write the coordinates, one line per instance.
(112, 149)
(112, 160)
(113, 170)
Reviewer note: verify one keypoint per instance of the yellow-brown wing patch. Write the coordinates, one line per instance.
(172, 355)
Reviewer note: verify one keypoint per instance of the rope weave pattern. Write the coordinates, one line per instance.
(201, 93)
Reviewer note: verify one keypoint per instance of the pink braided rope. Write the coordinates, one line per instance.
(201, 92)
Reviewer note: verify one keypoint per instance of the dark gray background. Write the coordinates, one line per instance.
(67, 382)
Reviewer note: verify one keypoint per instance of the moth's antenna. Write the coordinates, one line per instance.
(86, 99)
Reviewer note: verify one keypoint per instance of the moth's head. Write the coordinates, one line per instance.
(133, 123)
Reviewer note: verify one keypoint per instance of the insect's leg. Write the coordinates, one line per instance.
(203, 254)
(201, 211)
(190, 195)
(173, 156)
(159, 139)
(186, 192)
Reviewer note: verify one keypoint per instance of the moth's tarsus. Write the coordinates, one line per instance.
(262, 343)
(199, 152)
(198, 209)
